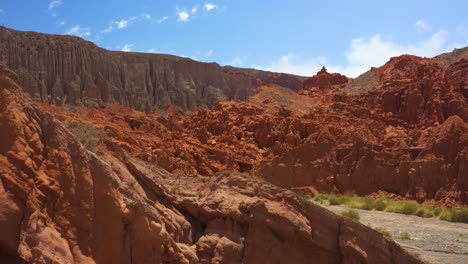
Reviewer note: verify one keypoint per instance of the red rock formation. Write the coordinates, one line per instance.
(322, 81)
(64, 204)
(66, 69)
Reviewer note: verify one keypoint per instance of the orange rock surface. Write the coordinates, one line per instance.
(61, 203)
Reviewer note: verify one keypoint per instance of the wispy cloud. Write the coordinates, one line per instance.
(162, 19)
(366, 52)
(54, 3)
(127, 47)
(422, 26)
(79, 31)
(152, 51)
(209, 6)
(194, 9)
(209, 53)
(183, 16)
(61, 23)
(123, 23)
(237, 61)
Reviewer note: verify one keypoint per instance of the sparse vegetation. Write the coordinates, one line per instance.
(403, 207)
(384, 203)
(404, 235)
(351, 214)
(73, 109)
(174, 190)
(88, 135)
(383, 231)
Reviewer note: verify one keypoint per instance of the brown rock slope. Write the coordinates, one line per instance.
(66, 69)
(400, 128)
(331, 139)
(63, 204)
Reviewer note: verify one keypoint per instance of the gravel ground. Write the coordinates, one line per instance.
(434, 241)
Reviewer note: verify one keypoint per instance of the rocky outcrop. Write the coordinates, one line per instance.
(68, 70)
(419, 90)
(64, 204)
(322, 81)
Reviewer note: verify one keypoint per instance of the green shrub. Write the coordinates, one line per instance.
(336, 200)
(364, 203)
(437, 211)
(455, 215)
(403, 207)
(404, 235)
(380, 204)
(383, 231)
(351, 214)
(321, 197)
(425, 212)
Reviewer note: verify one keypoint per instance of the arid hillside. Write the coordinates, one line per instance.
(403, 132)
(61, 203)
(69, 70)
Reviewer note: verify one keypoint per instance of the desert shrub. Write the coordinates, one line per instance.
(364, 203)
(351, 214)
(425, 212)
(336, 200)
(321, 197)
(404, 235)
(403, 207)
(383, 231)
(454, 215)
(380, 204)
(437, 211)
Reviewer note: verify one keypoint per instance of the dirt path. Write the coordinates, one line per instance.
(434, 241)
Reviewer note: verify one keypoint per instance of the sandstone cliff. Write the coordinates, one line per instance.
(66, 69)
(64, 204)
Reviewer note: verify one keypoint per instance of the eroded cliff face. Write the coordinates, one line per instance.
(64, 204)
(66, 69)
(406, 134)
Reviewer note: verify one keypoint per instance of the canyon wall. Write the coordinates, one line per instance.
(66, 69)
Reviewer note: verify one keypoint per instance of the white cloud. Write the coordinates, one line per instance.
(152, 51)
(194, 10)
(162, 19)
(209, 53)
(422, 26)
(123, 23)
(183, 16)
(237, 61)
(291, 63)
(78, 31)
(365, 53)
(54, 3)
(61, 23)
(127, 47)
(209, 6)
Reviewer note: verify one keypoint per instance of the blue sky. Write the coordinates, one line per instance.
(295, 36)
